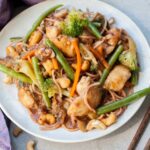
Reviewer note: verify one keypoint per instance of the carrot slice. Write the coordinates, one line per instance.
(55, 63)
(29, 59)
(29, 54)
(78, 70)
(98, 55)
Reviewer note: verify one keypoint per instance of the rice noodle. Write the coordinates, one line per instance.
(69, 126)
(54, 79)
(94, 76)
(119, 111)
(104, 26)
(86, 37)
(115, 96)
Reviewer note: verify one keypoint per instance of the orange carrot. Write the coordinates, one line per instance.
(78, 70)
(29, 54)
(29, 59)
(99, 56)
(55, 63)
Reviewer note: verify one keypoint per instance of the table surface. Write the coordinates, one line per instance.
(138, 11)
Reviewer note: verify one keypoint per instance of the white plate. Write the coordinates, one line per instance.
(8, 94)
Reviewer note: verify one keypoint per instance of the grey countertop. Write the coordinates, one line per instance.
(139, 12)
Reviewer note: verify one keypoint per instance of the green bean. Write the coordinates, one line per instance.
(134, 77)
(111, 62)
(14, 74)
(39, 20)
(94, 30)
(97, 24)
(40, 80)
(15, 39)
(61, 59)
(123, 102)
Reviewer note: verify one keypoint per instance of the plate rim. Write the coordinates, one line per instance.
(91, 138)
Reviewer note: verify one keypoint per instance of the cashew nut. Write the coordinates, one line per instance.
(30, 145)
(16, 131)
(95, 124)
(110, 119)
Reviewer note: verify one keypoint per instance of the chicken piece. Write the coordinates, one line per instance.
(35, 38)
(110, 40)
(26, 98)
(11, 51)
(52, 32)
(61, 13)
(117, 78)
(48, 65)
(64, 43)
(82, 85)
(61, 41)
(78, 108)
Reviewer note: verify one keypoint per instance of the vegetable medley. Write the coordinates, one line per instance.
(73, 69)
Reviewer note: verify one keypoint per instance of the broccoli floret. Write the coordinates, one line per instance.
(74, 23)
(128, 59)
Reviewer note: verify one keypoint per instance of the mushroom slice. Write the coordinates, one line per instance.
(93, 96)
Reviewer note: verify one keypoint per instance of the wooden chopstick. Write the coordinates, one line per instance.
(147, 146)
(140, 130)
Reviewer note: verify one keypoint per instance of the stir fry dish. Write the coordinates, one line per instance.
(73, 69)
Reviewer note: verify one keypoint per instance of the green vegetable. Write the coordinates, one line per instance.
(93, 67)
(61, 59)
(14, 74)
(94, 30)
(97, 24)
(123, 102)
(74, 23)
(15, 39)
(39, 20)
(47, 83)
(127, 58)
(40, 80)
(134, 77)
(26, 68)
(111, 62)
(52, 90)
(88, 55)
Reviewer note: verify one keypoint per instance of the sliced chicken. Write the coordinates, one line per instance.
(112, 38)
(63, 42)
(117, 78)
(61, 13)
(82, 85)
(110, 41)
(78, 108)
(52, 32)
(26, 98)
